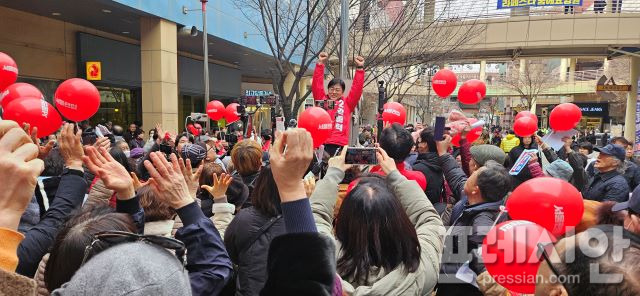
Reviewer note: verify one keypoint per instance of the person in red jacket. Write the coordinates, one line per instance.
(339, 107)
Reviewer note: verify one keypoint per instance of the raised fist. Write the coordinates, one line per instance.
(322, 58)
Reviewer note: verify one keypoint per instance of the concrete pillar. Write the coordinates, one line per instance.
(483, 70)
(572, 69)
(609, 7)
(632, 98)
(159, 55)
(563, 69)
(523, 66)
(429, 11)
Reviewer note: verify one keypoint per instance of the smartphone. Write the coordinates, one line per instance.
(438, 128)
(361, 155)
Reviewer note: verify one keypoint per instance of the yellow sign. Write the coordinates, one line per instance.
(613, 87)
(94, 71)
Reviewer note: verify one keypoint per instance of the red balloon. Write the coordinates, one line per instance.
(215, 110)
(553, 203)
(317, 122)
(510, 254)
(525, 126)
(36, 112)
(231, 113)
(77, 99)
(472, 91)
(8, 71)
(565, 117)
(526, 114)
(472, 136)
(18, 90)
(394, 112)
(444, 82)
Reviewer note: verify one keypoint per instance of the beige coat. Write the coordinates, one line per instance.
(423, 216)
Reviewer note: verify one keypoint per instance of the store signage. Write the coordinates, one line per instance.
(506, 4)
(94, 71)
(594, 109)
(613, 87)
(257, 93)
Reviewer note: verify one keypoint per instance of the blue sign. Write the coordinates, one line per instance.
(507, 4)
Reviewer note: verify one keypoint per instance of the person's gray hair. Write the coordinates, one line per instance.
(621, 166)
(494, 181)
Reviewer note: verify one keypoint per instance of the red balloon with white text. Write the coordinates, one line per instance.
(444, 82)
(77, 99)
(394, 112)
(36, 112)
(552, 203)
(18, 90)
(215, 110)
(8, 71)
(317, 122)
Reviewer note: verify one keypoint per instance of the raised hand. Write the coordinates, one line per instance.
(309, 185)
(19, 169)
(443, 146)
(71, 147)
(111, 172)
(167, 181)
(322, 58)
(359, 61)
(387, 163)
(192, 178)
(43, 150)
(103, 142)
(338, 160)
(220, 186)
(288, 167)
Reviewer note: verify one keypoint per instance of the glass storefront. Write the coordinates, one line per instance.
(118, 105)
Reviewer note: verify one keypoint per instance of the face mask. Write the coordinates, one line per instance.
(127, 153)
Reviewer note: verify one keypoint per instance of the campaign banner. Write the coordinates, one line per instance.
(521, 162)
(507, 4)
(637, 139)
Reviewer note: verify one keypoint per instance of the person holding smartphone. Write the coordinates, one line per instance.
(342, 107)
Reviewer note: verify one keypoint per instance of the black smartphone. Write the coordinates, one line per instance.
(438, 128)
(361, 155)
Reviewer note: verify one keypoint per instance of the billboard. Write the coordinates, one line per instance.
(506, 4)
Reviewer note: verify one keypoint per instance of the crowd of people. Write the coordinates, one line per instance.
(102, 211)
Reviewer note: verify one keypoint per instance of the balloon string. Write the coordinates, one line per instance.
(502, 211)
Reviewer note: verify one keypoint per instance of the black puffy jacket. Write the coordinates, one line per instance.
(247, 240)
(427, 164)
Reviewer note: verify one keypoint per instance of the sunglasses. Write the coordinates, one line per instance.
(112, 238)
(544, 251)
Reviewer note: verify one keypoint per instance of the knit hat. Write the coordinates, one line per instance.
(560, 169)
(129, 269)
(136, 153)
(195, 153)
(484, 152)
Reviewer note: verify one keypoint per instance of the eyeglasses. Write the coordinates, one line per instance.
(335, 89)
(112, 238)
(544, 253)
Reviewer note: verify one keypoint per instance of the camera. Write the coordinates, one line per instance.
(326, 104)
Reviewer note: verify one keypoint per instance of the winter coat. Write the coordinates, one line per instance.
(249, 252)
(341, 113)
(509, 142)
(14, 284)
(99, 193)
(607, 186)
(427, 164)
(421, 214)
(632, 174)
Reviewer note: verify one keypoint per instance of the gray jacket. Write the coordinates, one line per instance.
(421, 213)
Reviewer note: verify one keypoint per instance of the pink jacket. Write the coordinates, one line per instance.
(341, 113)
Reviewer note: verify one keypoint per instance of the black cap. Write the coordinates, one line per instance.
(614, 150)
(633, 203)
